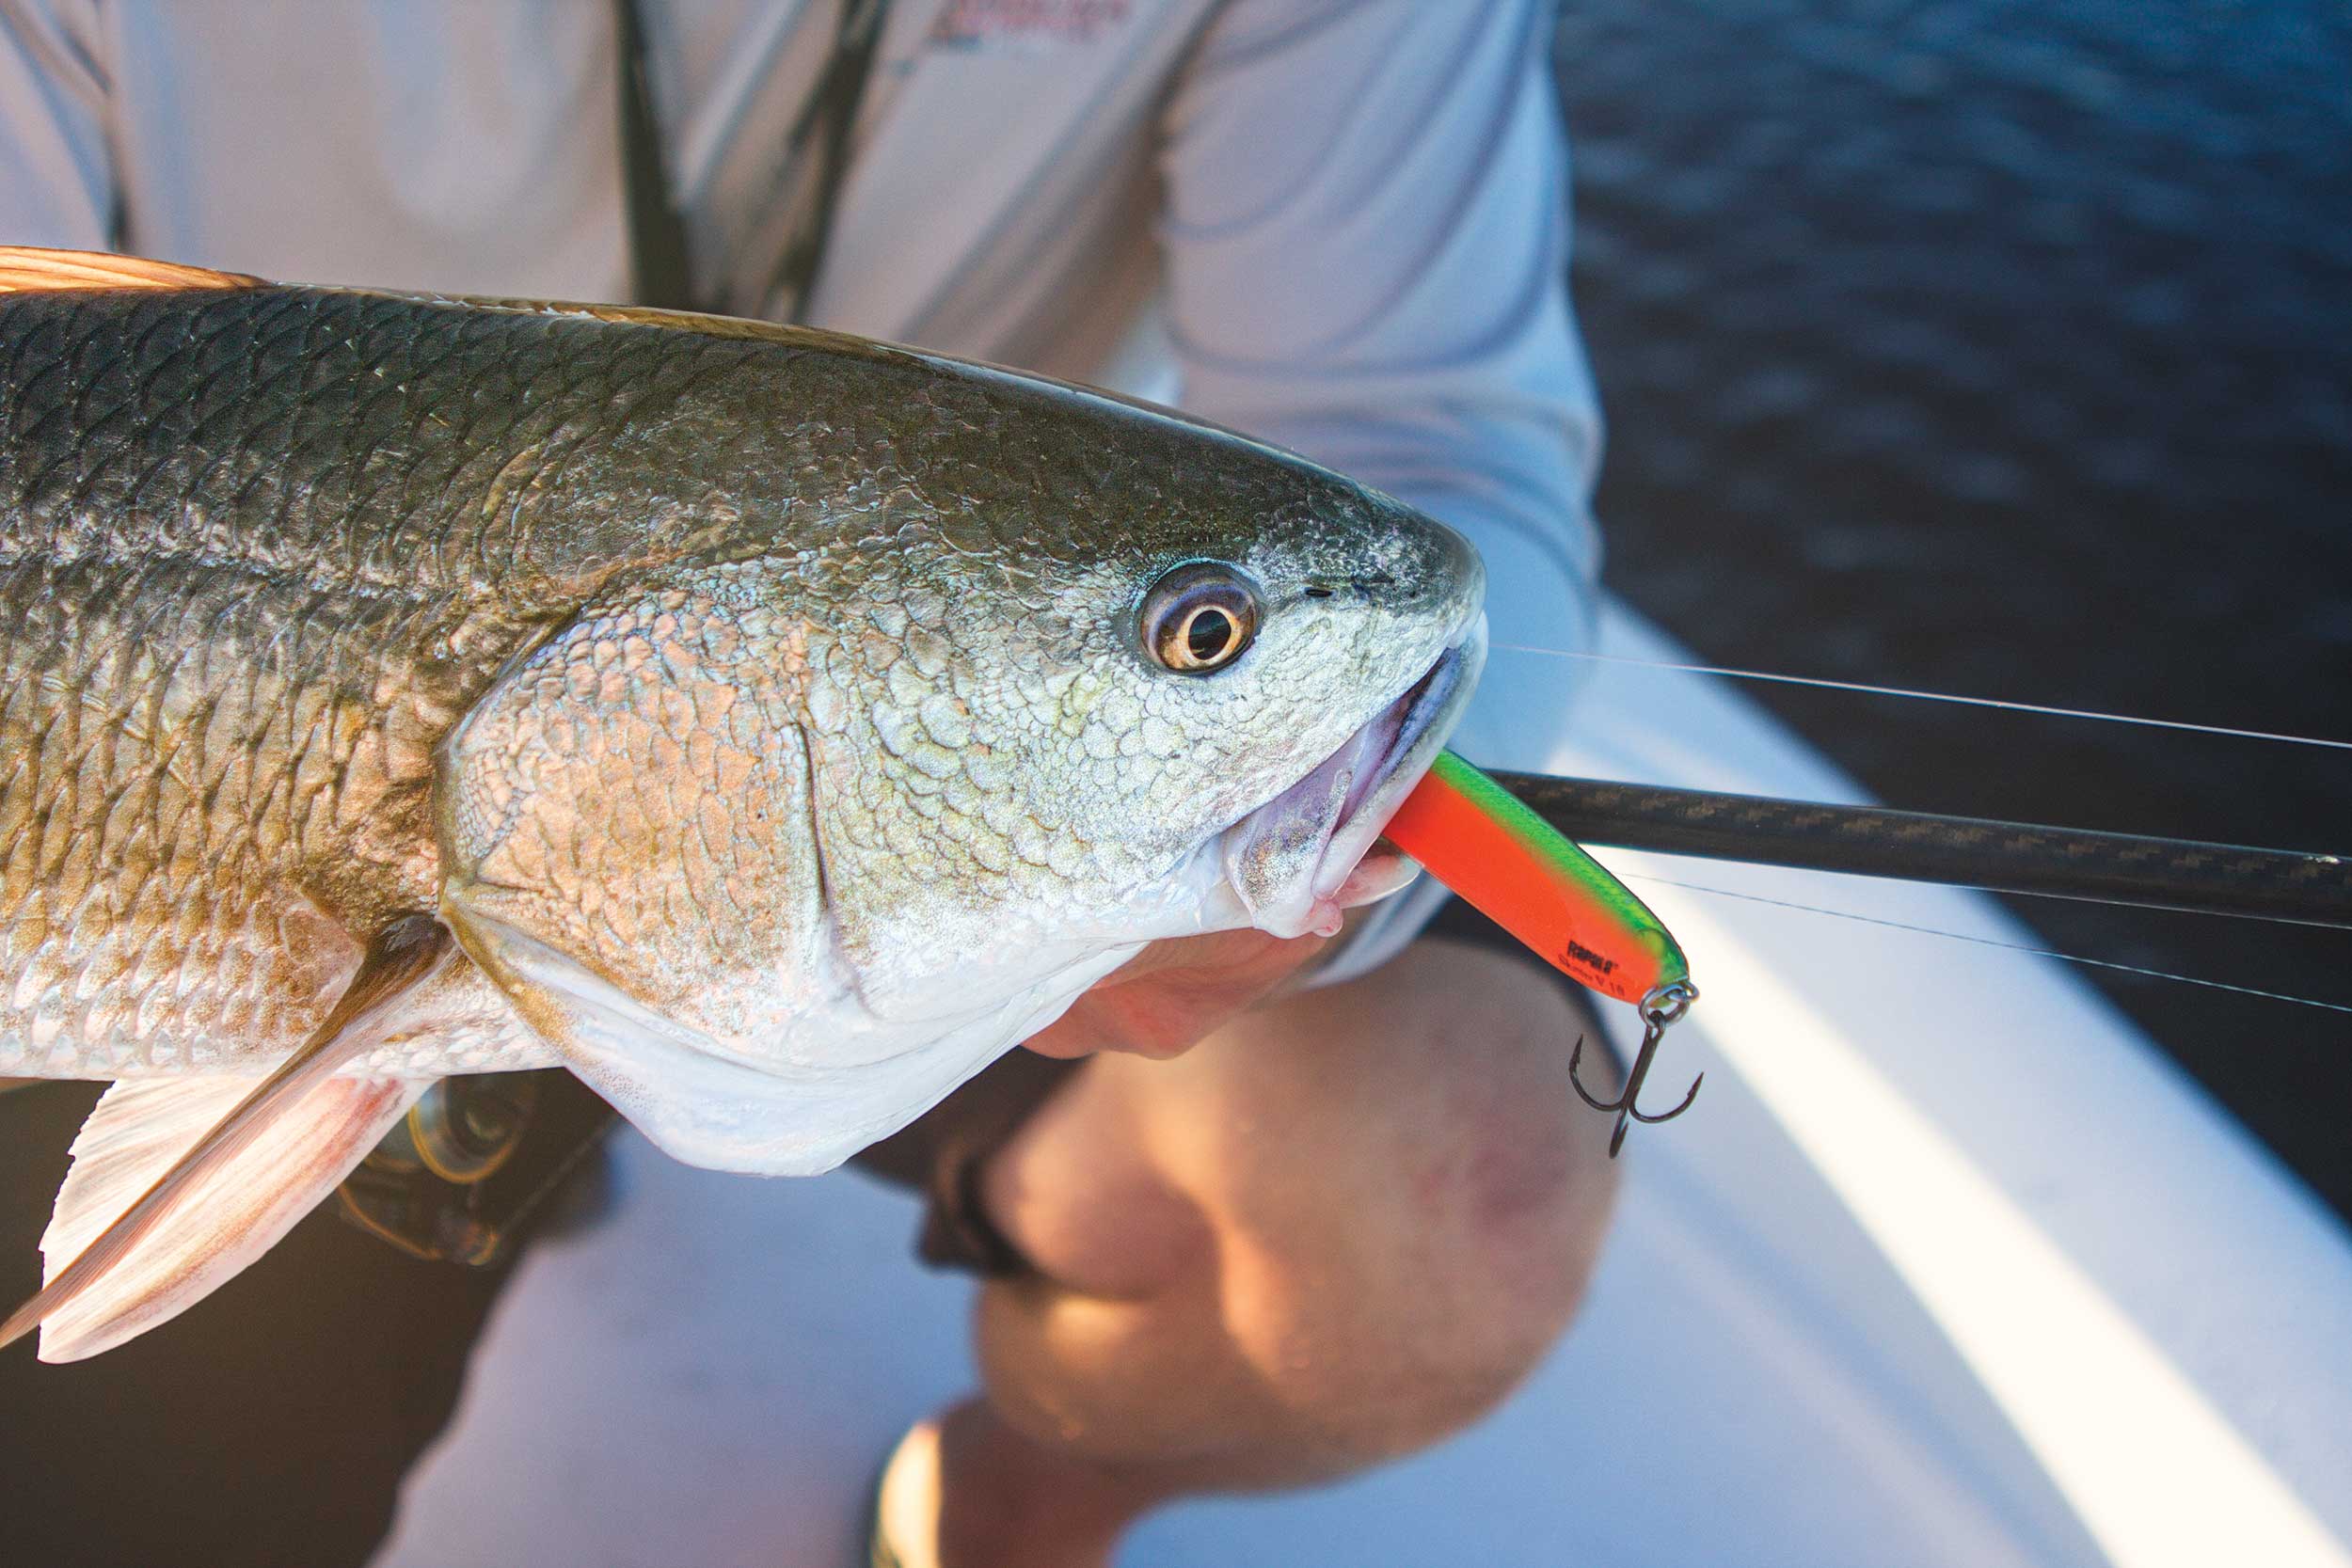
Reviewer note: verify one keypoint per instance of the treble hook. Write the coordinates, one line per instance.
(1660, 1007)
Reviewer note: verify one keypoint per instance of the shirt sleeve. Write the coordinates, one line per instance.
(1365, 234)
(57, 178)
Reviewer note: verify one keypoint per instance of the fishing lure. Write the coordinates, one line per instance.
(1478, 839)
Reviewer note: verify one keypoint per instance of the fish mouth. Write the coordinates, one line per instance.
(1314, 851)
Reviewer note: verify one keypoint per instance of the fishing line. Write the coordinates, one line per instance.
(2109, 901)
(1865, 687)
(1990, 941)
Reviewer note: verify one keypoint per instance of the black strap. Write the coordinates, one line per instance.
(832, 115)
(661, 266)
(657, 235)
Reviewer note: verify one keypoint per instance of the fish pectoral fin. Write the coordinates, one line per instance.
(237, 1209)
(199, 1178)
(27, 270)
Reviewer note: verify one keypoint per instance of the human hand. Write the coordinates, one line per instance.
(1174, 993)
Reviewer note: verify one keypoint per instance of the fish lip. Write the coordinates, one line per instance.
(1316, 850)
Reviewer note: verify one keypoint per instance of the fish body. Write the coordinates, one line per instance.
(774, 720)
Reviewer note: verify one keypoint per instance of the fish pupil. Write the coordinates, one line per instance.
(1208, 634)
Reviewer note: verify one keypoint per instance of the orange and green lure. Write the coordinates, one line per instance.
(1480, 840)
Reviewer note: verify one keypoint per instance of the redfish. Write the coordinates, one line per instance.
(771, 727)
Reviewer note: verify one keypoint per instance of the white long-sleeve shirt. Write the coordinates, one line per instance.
(1339, 225)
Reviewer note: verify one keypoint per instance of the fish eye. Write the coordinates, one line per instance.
(1199, 618)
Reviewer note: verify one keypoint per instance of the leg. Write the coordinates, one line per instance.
(1340, 1227)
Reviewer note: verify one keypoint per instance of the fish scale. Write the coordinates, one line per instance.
(328, 519)
(289, 651)
(767, 725)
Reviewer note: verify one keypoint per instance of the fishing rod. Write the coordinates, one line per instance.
(2293, 886)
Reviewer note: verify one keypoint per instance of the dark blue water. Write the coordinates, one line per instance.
(2006, 348)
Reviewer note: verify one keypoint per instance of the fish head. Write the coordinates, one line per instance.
(1174, 689)
(777, 849)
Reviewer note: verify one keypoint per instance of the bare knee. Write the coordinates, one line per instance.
(1476, 1187)
(1390, 1205)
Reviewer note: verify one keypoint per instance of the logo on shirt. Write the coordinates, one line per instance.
(1030, 24)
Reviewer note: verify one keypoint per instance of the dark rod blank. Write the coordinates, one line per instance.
(1965, 851)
